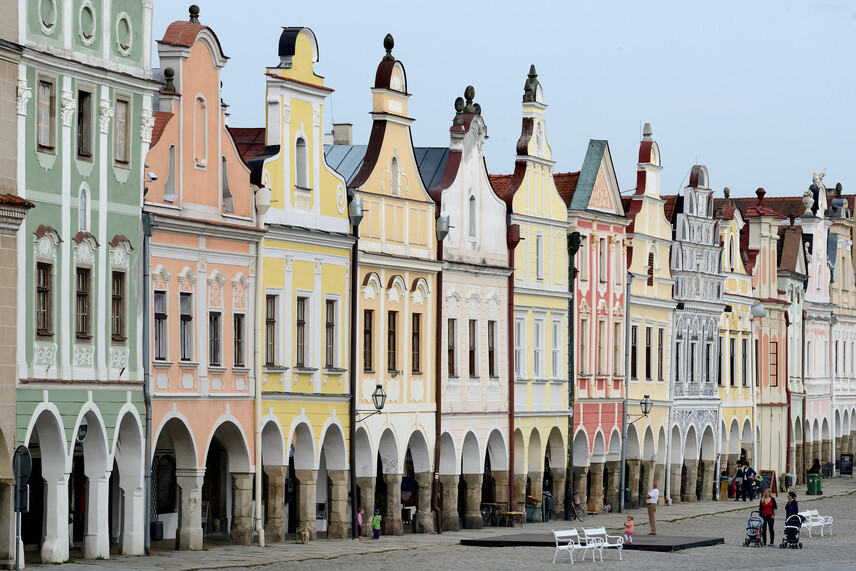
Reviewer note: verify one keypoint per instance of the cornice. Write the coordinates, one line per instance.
(63, 66)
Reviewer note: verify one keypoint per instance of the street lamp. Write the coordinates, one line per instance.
(646, 404)
(378, 399)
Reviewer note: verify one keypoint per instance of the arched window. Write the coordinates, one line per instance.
(300, 164)
(394, 176)
(200, 132)
(472, 216)
(83, 211)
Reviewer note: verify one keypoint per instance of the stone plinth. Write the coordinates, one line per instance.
(424, 515)
(500, 478)
(306, 488)
(708, 471)
(188, 534)
(366, 487)
(337, 526)
(689, 492)
(472, 515)
(391, 523)
(596, 485)
(559, 484)
(449, 502)
(241, 531)
(275, 504)
(675, 483)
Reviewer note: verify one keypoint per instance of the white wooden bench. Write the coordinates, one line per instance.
(599, 534)
(811, 519)
(570, 540)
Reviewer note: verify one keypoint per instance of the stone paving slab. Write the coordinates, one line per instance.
(233, 556)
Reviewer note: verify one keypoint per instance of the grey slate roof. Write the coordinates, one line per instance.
(347, 160)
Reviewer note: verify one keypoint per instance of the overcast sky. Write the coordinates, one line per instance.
(760, 92)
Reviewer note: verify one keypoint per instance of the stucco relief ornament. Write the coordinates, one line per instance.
(286, 113)
(452, 305)
(807, 253)
(316, 117)
(473, 306)
(341, 201)
(118, 357)
(147, 122)
(24, 95)
(68, 106)
(83, 356)
(104, 116)
(84, 253)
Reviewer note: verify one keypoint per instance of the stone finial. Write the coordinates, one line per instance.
(477, 108)
(533, 75)
(194, 14)
(808, 202)
(459, 108)
(647, 132)
(792, 217)
(760, 194)
(388, 44)
(168, 76)
(469, 94)
(725, 191)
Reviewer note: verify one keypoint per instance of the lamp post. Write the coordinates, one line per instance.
(646, 404)
(574, 242)
(355, 216)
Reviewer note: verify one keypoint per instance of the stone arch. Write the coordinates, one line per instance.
(691, 446)
(418, 446)
(228, 430)
(798, 430)
(661, 446)
(535, 454)
(734, 437)
(723, 438)
(471, 462)
(333, 447)
(677, 446)
(448, 455)
(598, 450)
(303, 440)
(824, 430)
(613, 452)
(746, 436)
(363, 465)
(581, 448)
(273, 444)
(128, 455)
(497, 450)
(520, 450)
(633, 449)
(649, 451)
(388, 451)
(708, 444)
(556, 445)
(837, 423)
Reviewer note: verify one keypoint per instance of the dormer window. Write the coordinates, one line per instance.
(301, 178)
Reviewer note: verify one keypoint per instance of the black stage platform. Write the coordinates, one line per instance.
(641, 542)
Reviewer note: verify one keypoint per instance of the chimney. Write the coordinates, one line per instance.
(343, 134)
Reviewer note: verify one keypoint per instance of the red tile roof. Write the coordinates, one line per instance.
(566, 184)
(161, 120)
(727, 212)
(500, 183)
(15, 200)
(250, 141)
(669, 207)
(183, 33)
(298, 82)
(783, 206)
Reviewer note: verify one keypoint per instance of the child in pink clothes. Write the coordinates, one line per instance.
(628, 530)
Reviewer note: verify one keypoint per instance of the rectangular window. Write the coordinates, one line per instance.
(584, 358)
(774, 363)
(117, 321)
(240, 350)
(452, 354)
(732, 362)
(416, 342)
(601, 348)
(121, 130)
(602, 265)
(680, 376)
(836, 358)
(634, 362)
(661, 335)
(650, 281)
(583, 256)
(160, 325)
(83, 314)
(757, 363)
(330, 334)
(472, 340)
(214, 359)
(491, 348)
(368, 340)
(84, 124)
(519, 355)
(44, 296)
(617, 350)
(538, 353)
(185, 310)
(46, 115)
(744, 361)
(708, 361)
(556, 361)
(270, 330)
(391, 341)
(300, 355)
(649, 334)
(720, 381)
(693, 349)
(539, 256)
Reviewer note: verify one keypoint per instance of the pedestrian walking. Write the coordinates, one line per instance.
(768, 507)
(738, 482)
(376, 525)
(628, 530)
(651, 500)
(360, 521)
(748, 477)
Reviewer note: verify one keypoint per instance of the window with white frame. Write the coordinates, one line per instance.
(122, 132)
(239, 359)
(519, 343)
(472, 347)
(214, 337)
(270, 330)
(538, 353)
(584, 337)
(602, 259)
(452, 347)
(649, 354)
(556, 360)
(300, 333)
(46, 115)
(491, 348)
(83, 314)
(301, 164)
(634, 352)
(601, 348)
(661, 362)
(160, 329)
(416, 343)
(330, 334)
(84, 124)
(539, 256)
(117, 306)
(618, 346)
(185, 333)
(368, 340)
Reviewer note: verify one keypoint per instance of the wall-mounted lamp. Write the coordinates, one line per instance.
(442, 227)
(355, 211)
(378, 399)
(758, 310)
(263, 200)
(646, 404)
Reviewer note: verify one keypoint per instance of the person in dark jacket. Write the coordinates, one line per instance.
(815, 468)
(792, 507)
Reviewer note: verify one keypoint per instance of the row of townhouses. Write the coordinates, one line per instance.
(254, 332)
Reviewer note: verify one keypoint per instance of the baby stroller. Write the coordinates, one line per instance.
(753, 530)
(792, 533)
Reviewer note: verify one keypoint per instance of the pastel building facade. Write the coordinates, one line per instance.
(541, 294)
(697, 270)
(307, 337)
(650, 310)
(596, 212)
(84, 122)
(474, 327)
(735, 378)
(203, 251)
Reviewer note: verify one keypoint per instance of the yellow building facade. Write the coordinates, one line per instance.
(651, 311)
(305, 309)
(736, 426)
(541, 398)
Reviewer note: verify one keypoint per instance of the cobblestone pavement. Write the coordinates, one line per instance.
(718, 519)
